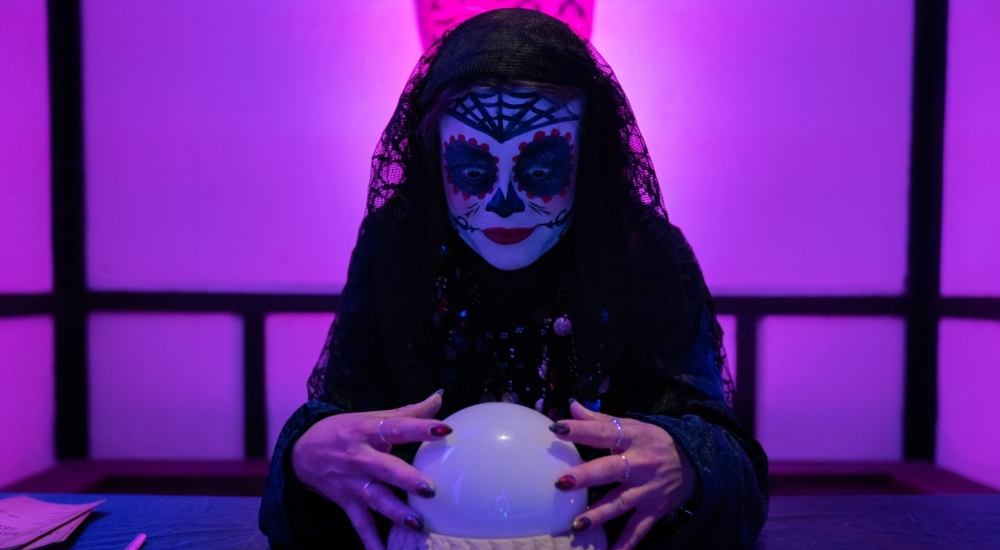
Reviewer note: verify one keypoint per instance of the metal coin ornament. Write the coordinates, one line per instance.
(562, 326)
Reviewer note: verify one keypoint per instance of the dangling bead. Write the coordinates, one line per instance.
(562, 326)
(543, 370)
(510, 396)
(539, 405)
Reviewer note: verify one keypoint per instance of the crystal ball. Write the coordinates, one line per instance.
(495, 476)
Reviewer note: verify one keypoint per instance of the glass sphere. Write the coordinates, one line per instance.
(495, 476)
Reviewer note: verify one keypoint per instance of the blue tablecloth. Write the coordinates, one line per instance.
(818, 523)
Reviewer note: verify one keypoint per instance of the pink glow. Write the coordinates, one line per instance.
(437, 16)
(294, 343)
(968, 388)
(830, 388)
(166, 386)
(780, 133)
(228, 143)
(970, 241)
(27, 404)
(25, 219)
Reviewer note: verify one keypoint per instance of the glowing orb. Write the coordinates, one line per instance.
(495, 476)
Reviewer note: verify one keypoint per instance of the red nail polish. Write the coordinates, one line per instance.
(559, 428)
(413, 522)
(425, 490)
(566, 482)
(581, 524)
(440, 430)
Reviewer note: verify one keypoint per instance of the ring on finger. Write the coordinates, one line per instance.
(380, 436)
(619, 426)
(365, 488)
(628, 469)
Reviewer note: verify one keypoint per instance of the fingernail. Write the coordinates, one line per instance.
(417, 524)
(581, 524)
(425, 490)
(571, 400)
(440, 430)
(566, 482)
(440, 392)
(559, 428)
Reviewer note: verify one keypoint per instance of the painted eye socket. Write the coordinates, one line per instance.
(543, 166)
(470, 168)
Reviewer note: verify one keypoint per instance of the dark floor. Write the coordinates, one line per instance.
(246, 478)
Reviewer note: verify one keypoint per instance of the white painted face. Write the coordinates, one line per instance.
(508, 163)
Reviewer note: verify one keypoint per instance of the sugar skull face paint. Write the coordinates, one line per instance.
(508, 162)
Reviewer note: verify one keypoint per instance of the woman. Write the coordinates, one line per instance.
(515, 248)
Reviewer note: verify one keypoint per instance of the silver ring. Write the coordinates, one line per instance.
(619, 426)
(628, 468)
(365, 488)
(380, 436)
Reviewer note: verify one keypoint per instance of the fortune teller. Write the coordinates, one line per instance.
(515, 248)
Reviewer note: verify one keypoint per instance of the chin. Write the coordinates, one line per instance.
(516, 256)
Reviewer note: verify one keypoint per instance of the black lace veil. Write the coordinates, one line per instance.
(635, 282)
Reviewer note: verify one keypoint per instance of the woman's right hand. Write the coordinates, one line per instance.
(346, 458)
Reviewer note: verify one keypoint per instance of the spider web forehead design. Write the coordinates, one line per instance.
(505, 115)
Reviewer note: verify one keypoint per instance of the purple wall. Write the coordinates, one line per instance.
(969, 386)
(228, 143)
(166, 386)
(27, 386)
(25, 220)
(293, 344)
(830, 388)
(970, 243)
(780, 133)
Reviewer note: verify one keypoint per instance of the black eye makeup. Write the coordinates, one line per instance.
(470, 167)
(543, 165)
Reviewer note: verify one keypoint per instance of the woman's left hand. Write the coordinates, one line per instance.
(656, 476)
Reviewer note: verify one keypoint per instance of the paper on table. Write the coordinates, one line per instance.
(59, 535)
(24, 519)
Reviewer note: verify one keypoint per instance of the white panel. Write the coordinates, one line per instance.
(968, 437)
(830, 388)
(27, 397)
(970, 239)
(166, 386)
(25, 149)
(228, 144)
(780, 130)
(294, 343)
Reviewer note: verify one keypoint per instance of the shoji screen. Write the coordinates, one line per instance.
(780, 131)
(227, 150)
(969, 354)
(27, 387)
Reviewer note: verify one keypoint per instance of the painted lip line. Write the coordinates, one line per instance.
(502, 235)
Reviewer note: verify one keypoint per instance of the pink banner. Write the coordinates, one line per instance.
(437, 16)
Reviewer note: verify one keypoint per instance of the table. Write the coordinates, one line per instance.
(928, 522)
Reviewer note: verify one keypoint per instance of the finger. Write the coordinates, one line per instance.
(600, 471)
(399, 473)
(380, 498)
(636, 529)
(600, 434)
(364, 524)
(396, 430)
(424, 409)
(617, 502)
(579, 412)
